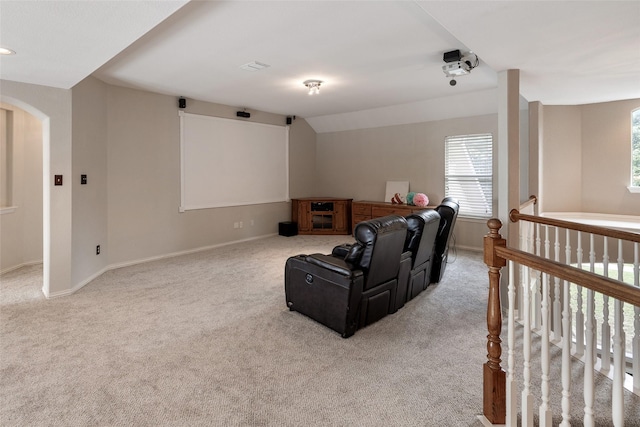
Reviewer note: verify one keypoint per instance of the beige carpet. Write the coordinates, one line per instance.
(206, 340)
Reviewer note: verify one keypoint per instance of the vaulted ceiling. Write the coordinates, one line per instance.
(380, 61)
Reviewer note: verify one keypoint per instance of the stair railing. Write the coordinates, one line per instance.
(542, 293)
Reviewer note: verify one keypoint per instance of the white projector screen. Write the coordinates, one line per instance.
(227, 162)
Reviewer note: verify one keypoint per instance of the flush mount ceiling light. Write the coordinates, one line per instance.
(313, 86)
(6, 51)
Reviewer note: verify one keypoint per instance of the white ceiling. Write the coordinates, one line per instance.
(380, 61)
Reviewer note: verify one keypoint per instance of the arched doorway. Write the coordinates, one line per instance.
(21, 190)
(33, 114)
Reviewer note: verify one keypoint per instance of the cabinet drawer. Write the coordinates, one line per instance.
(378, 211)
(360, 218)
(361, 209)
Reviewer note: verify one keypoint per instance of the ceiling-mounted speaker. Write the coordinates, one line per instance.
(182, 103)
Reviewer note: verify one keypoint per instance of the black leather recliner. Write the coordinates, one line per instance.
(350, 292)
(422, 228)
(448, 210)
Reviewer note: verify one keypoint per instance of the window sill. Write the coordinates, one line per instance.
(8, 210)
(633, 189)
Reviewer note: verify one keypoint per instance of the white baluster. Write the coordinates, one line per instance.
(592, 267)
(579, 312)
(566, 354)
(527, 398)
(545, 411)
(617, 396)
(512, 404)
(589, 361)
(537, 291)
(605, 358)
(636, 321)
(619, 373)
(557, 331)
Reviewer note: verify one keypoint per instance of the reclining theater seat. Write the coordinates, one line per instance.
(348, 293)
(448, 210)
(421, 237)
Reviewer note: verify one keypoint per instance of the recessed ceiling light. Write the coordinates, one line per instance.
(6, 51)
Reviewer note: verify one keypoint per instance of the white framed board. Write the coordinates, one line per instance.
(227, 162)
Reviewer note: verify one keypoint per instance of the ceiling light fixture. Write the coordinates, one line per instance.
(313, 86)
(6, 51)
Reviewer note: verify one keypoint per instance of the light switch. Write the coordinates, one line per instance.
(57, 180)
(83, 179)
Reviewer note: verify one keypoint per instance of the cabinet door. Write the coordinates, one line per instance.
(304, 215)
(340, 216)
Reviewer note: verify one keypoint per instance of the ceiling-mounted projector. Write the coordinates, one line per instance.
(458, 65)
(457, 68)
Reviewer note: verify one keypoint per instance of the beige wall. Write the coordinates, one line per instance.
(560, 160)
(358, 163)
(52, 107)
(143, 168)
(585, 158)
(21, 229)
(90, 202)
(127, 142)
(606, 158)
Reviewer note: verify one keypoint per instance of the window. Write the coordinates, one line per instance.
(469, 173)
(635, 148)
(6, 157)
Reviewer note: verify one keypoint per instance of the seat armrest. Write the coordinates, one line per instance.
(341, 251)
(403, 280)
(335, 264)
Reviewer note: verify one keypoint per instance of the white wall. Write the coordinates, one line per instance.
(21, 229)
(358, 163)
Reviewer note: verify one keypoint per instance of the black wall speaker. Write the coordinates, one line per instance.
(182, 103)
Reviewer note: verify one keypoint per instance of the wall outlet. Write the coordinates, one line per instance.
(98, 250)
(241, 224)
(236, 225)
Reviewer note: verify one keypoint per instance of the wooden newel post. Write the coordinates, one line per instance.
(494, 377)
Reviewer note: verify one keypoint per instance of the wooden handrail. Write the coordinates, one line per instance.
(496, 254)
(515, 216)
(613, 288)
(533, 200)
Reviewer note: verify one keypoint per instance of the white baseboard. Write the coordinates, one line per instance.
(24, 264)
(94, 276)
(468, 248)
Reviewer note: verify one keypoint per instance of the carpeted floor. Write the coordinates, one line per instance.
(207, 340)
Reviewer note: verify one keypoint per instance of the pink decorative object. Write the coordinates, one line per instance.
(420, 199)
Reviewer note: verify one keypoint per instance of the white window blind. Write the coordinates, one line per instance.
(469, 173)
(635, 148)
